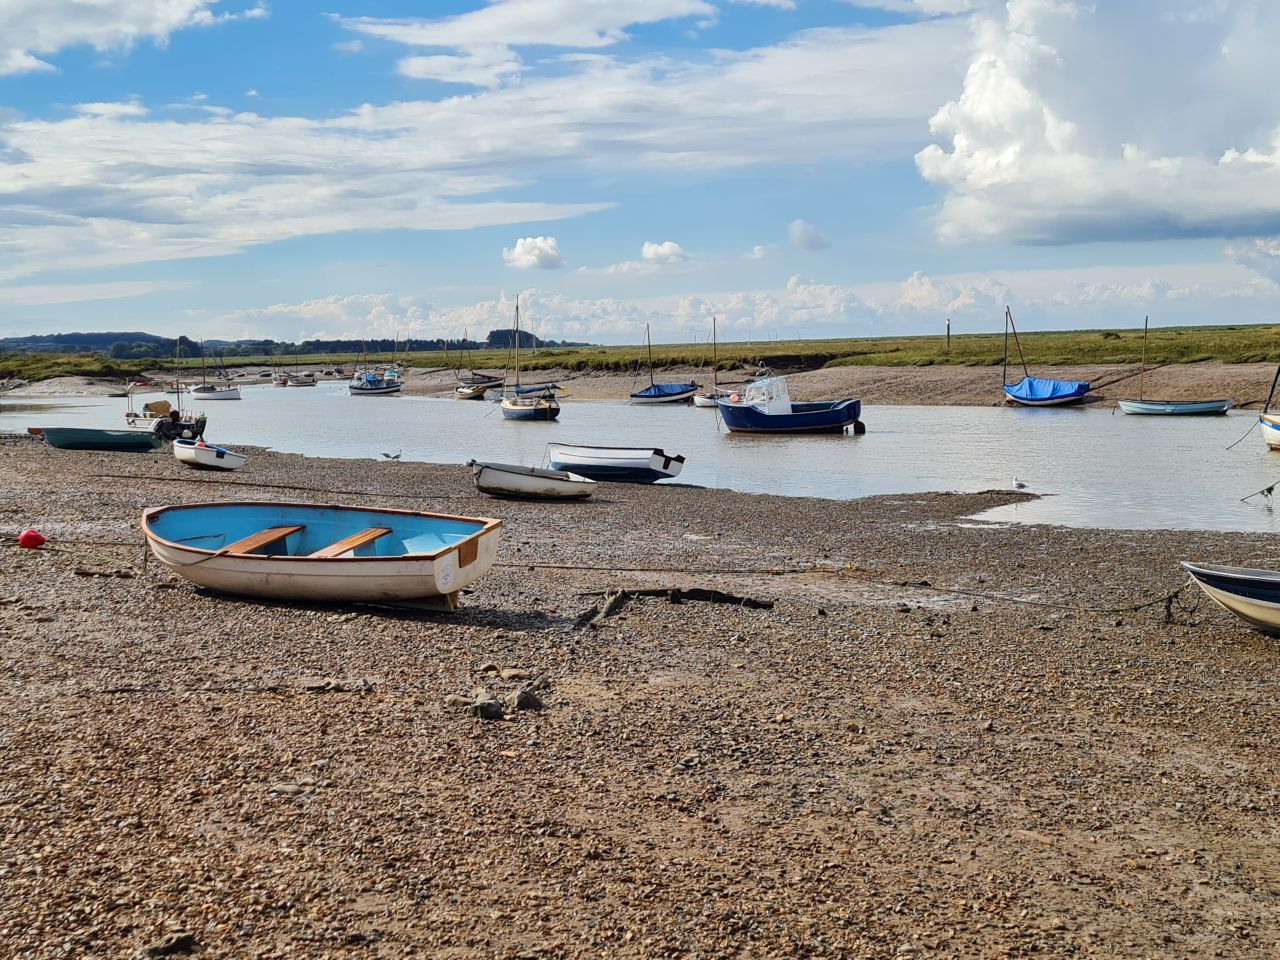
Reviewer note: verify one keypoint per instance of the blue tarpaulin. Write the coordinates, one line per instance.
(665, 390)
(1043, 390)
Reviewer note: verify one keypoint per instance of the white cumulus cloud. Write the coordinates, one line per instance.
(542, 253)
(666, 252)
(1112, 121)
(32, 30)
(806, 236)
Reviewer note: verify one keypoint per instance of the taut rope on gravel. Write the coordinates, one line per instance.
(279, 486)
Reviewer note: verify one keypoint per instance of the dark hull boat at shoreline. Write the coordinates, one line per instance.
(1252, 595)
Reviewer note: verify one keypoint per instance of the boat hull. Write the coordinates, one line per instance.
(1044, 392)
(529, 483)
(203, 456)
(517, 408)
(825, 417)
(115, 441)
(665, 393)
(701, 400)
(424, 557)
(1270, 430)
(214, 393)
(382, 389)
(1176, 408)
(615, 464)
(1252, 595)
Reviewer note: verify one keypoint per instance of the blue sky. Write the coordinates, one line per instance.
(820, 167)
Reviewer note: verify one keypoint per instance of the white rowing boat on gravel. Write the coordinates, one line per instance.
(529, 483)
(206, 456)
(326, 554)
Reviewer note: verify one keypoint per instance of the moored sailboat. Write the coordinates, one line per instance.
(662, 392)
(1167, 407)
(532, 402)
(1035, 391)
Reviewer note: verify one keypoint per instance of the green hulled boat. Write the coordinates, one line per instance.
(87, 438)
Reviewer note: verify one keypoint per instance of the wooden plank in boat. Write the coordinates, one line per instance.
(263, 538)
(350, 543)
(468, 550)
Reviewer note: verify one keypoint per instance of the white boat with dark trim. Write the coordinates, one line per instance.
(1252, 595)
(210, 391)
(206, 456)
(619, 464)
(333, 554)
(529, 483)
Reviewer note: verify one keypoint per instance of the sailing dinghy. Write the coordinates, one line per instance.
(1176, 408)
(1035, 391)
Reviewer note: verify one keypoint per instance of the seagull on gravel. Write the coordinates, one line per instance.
(393, 456)
(1017, 484)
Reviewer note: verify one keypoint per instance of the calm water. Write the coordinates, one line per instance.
(1100, 469)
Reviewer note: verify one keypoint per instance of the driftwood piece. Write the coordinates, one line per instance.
(616, 599)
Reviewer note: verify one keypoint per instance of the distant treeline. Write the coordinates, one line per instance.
(146, 346)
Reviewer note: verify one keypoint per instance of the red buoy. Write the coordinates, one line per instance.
(30, 539)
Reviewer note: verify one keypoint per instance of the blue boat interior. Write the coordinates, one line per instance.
(368, 533)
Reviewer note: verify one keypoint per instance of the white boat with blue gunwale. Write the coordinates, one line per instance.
(1167, 408)
(617, 464)
(1176, 408)
(1252, 595)
(333, 554)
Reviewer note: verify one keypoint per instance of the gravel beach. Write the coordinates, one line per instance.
(886, 758)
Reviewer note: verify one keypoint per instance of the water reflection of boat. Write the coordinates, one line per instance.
(333, 554)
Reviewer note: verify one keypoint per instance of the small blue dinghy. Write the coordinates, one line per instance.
(334, 554)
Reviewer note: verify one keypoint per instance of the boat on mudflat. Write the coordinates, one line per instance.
(372, 385)
(1167, 408)
(1252, 595)
(206, 456)
(210, 391)
(313, 552)
(122, 440)
(1176, 408)
(618, 464)
(765, 407)
(529, 483)
(1035, 391)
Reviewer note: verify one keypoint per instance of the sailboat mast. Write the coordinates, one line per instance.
(204, 373)
(649, 346)
(715, 372)
(517, 343)
(1142, 370)
(1016, 342)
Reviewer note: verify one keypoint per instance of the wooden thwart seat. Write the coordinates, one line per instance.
(350, 543)
(263, 538)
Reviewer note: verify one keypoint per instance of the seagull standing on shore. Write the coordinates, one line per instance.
(393, 456)
(1017, 484)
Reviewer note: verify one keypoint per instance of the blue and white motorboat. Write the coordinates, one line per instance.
(1252, 595)
(765, 407)
(1176, 408)
(368, 384)
(618, 464)
(334, 554)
